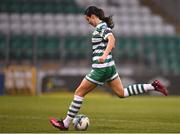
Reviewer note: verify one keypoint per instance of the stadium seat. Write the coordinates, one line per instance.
(15, 28)
(27, 28)
(14, 17)
(49, 29)
(26, 18)
(5, 28)
(2, 47)
(4, 17)
(36, 18)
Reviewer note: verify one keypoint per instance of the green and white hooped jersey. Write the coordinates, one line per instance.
(99, 44)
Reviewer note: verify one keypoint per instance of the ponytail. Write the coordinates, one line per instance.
(100, 14)
(109, 21)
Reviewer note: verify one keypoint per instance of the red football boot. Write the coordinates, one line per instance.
(160, 87)
(58, 124)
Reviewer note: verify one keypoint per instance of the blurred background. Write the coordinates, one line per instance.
(45, 45)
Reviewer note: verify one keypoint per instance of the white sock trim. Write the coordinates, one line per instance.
(67, 121)
(148, 87)
(126, 94)
(78, 98)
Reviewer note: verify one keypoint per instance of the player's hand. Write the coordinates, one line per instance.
(102, 59)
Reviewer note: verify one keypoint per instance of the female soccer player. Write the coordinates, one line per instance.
(103, 68)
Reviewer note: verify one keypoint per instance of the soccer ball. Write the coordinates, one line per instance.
(81, 122)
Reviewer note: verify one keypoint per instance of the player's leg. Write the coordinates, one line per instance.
(117, 87)
(85, 87)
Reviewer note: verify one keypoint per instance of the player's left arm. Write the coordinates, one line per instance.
(110, 46)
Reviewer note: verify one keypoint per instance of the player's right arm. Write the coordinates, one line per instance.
(110, 46)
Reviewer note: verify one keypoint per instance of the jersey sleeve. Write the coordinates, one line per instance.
(105, 32)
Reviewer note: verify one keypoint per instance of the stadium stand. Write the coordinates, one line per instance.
(34, 30)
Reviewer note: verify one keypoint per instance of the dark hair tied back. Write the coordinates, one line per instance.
(109, 21)
(92, 10)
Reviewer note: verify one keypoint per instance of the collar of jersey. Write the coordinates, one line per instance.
(100, 24)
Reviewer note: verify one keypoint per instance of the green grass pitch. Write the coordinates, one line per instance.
(107, 114)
